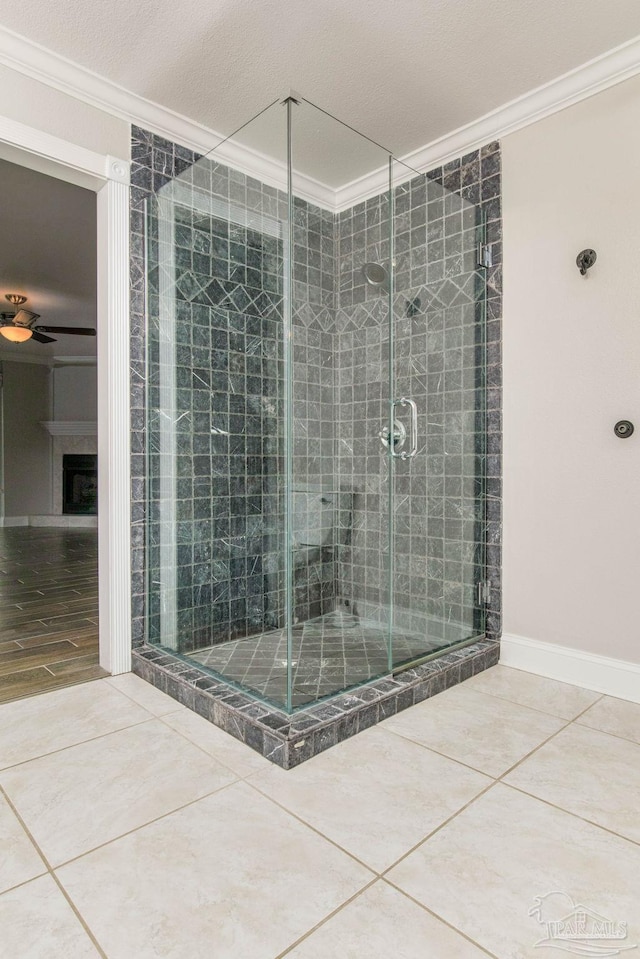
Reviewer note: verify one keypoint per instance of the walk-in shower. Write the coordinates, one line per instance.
(315, 412)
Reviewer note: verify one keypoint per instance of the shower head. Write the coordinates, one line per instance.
(375, 274)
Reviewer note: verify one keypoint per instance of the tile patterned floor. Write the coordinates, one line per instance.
(330, 653)
(460, 828)
(48, 609)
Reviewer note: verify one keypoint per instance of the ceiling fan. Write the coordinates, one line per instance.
(18, 327)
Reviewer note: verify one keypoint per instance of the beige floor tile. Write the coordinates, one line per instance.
(19, 860)
(537, 692)
(241, 759)
(42, 724)
(485, 732)
(37, 922)
(376, 795)
(88, 794)
(484, 871)
(232, 877)
(144, 694)
(383, 922)
(588, 773)
(615, 716)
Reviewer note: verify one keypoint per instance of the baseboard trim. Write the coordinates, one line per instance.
(64, 521)
(14, 521)
(615, 677)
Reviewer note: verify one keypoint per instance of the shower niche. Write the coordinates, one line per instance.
(315, 418)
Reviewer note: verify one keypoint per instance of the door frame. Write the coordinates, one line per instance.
(108, 178)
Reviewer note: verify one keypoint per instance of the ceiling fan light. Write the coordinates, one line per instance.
(17, 334)
(24, 317)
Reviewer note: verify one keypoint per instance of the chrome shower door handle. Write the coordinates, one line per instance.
(411, 452)
(408, 454)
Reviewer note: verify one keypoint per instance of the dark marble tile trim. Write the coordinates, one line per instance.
(289, 740)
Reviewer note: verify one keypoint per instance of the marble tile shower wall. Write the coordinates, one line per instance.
(434, 536)
(225, 562)
(439, 510)
(316, 535)
(228, 376)
(335, 318)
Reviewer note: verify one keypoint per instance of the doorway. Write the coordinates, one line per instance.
(107, 178)
(49, 625)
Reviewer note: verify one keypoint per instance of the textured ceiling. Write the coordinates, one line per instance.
(48, 254)
(404, 72)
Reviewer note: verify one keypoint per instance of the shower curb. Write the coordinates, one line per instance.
(289, 740)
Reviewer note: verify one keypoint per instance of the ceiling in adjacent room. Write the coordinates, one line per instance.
(48, 254)
(404, 72)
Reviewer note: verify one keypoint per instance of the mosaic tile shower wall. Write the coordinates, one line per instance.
(228, 444)
(316, 508)
(339, 347)
(439, 364)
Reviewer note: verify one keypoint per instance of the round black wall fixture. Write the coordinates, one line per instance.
(585, 260)
(623, 429)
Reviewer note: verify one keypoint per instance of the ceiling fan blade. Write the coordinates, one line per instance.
(73, 330)
(39, 338)
(25, 317)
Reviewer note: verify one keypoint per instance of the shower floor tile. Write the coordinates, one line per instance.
(330, 653)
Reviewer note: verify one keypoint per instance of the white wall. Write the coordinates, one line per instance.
(39, 105)
(75, 393)
(571, 370)
(27, 446)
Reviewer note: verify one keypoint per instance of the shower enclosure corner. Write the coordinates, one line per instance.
(315, 412)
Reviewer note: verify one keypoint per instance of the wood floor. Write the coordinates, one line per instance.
(48, 609)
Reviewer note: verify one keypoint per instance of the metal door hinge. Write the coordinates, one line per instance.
(485, 255)
(484, 592)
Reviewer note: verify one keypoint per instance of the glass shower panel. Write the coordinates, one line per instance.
(438, 383)
(217, 253)
(340, 395)
(315, 424)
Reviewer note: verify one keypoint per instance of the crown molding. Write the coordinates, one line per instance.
(30, 359)
(35, 61)
(70, 427)
(585, 81)
(48, 360)
(75, 360)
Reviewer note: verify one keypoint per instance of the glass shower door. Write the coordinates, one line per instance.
(437, 384)
(339, 401)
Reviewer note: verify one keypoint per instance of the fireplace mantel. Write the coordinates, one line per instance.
(70, 427)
